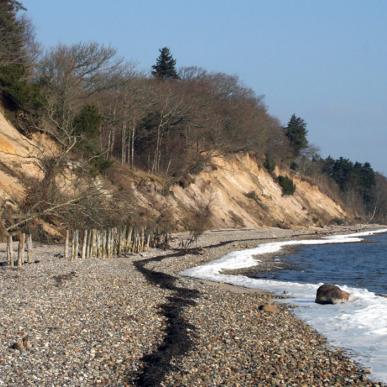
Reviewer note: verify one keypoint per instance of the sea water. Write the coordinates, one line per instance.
(357, 262)
(361, 265)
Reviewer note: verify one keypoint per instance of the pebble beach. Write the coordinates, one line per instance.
(135, 321)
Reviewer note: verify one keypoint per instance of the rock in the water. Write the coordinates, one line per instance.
(270, 308)
(331, 294)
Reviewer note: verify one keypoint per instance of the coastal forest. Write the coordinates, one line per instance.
(109, 122)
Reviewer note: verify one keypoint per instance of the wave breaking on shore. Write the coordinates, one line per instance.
(359, 326)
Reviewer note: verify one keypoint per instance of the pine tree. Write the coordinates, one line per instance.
(12, 33)
(87, 122)
(296, 133)
(165, 67)
(15, 91)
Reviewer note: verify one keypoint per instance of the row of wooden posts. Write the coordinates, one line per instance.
(109, 243)
(24, 245)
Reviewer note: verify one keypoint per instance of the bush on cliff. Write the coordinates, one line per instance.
(287, 185)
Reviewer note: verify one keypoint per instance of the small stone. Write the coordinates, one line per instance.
(18, 345)
(269, 308)
(26, 343)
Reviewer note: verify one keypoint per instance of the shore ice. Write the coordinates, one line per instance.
(359, 326)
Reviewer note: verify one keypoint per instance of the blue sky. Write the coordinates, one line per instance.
(325, 60)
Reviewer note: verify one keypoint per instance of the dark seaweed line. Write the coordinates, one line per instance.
(176, 340)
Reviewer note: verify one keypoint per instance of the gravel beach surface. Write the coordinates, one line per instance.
(135, 321)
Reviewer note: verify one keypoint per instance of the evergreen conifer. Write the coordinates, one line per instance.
(165, 67)
(296, 133)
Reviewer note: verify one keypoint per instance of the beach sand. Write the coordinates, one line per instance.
(136, 321)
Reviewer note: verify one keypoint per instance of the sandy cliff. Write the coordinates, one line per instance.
(240, 193)
(236, 189)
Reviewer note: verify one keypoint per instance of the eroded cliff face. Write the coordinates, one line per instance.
(236, 189)
(240, 193)
(18, 161)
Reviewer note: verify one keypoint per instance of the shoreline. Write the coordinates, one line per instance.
(221, 288)
(108, 323)
(271, 261)
(222, 270)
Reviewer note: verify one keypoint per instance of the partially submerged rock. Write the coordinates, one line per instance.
(331, 294)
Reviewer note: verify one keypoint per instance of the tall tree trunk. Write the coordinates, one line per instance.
(113, 139)
(123, 144)
(109, 144)
(169, 166)
(156, 154)
(132, 151)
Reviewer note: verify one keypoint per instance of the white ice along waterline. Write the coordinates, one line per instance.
(359, 326)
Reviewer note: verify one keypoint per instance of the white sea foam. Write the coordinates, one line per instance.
(359, 326)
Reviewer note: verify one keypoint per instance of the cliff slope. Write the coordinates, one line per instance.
(236, 190)
(241, 193)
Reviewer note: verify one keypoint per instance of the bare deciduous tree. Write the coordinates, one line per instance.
(71, 74)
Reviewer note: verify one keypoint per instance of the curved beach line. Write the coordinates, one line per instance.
(359, 326)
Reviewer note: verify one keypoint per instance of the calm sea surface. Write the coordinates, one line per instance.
(360, 265)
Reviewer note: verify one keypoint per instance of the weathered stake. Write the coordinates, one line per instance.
(84, 244)
(20, 254)
(76, 250)
(29, 248)
(67, 240)
(10, 251)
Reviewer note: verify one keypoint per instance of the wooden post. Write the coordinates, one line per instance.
(66, 247)
(135, 241)
(84, 244)
(29, 248)
(98, 243)
(73, 245)
(106, 243)
(125, 236)
(142, 239)
(148, 238)
(129, 239)
(112, 238)
(93, 247)
(76, 243)
(124, 240)
(120, 241)
(89, 244)
(102, 237)
(91, 252)
(10, 260)
(115, 241)
(20, 253)
(110, 244)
